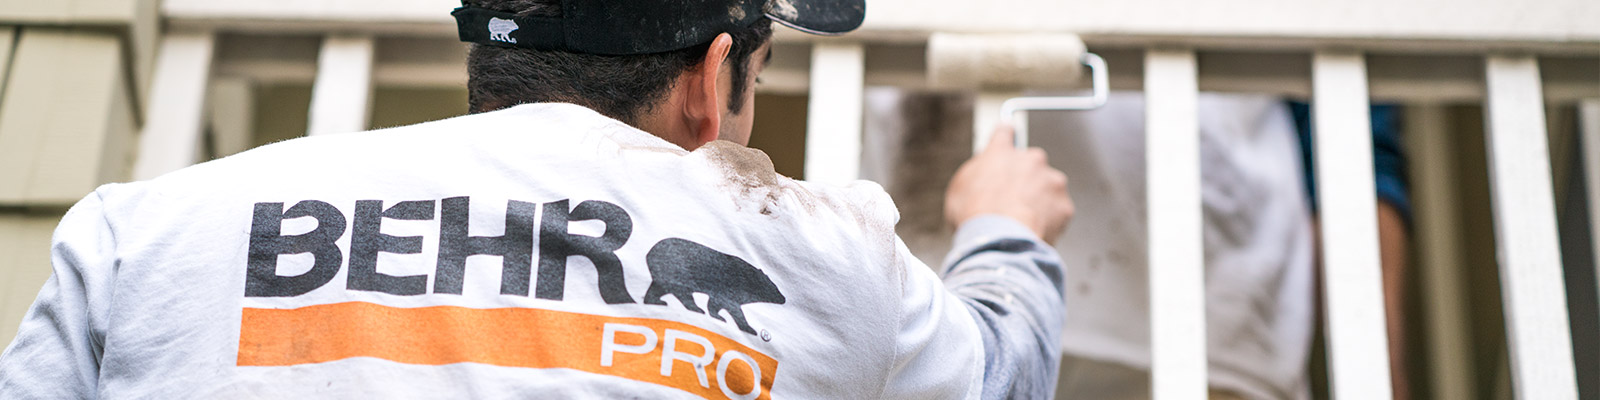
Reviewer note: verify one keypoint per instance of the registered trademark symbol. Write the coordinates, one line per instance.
(766, 337)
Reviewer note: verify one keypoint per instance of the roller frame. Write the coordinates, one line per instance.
(1100, 90)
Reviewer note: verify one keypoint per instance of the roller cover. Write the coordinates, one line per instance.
(1004, 61)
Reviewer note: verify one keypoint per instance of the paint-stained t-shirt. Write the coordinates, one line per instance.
(542, 251)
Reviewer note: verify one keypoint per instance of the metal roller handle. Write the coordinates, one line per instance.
(1100, 87)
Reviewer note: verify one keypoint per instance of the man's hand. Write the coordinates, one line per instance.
(1013, 183)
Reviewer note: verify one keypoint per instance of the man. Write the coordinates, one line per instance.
(584, 235)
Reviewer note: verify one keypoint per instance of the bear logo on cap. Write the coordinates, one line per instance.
(500, 30)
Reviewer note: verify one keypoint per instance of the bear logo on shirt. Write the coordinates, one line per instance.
(681, 268)
(500, 30)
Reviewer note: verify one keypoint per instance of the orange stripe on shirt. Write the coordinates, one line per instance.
(511, 337)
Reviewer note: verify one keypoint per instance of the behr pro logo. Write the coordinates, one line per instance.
(500, 30)
(537, 242)
(678, 267)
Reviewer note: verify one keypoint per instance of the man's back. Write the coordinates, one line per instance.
(541, 250)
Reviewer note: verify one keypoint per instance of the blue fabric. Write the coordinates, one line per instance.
(1388, 158)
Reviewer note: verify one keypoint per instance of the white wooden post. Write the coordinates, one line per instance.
(232, 116)
(834, 112)
(1589, 127)
(175, 116)
(1525, 230)
(1433, 182)
(986, 116)
(341, 96)
(1358, 345)
(1177, 268)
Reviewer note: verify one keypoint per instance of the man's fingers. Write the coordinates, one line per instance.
(1002, 138)
(1037, 154)
(1057, 179)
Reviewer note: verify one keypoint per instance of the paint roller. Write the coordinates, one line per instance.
(1012, 62)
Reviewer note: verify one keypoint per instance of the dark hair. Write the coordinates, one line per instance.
(621, 87)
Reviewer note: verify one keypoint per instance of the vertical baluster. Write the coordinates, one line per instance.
(1588, 130)
(342, 94)
(175, 116)
(833, 115)
(1358, 346)
(1589, 127)
(1177, 276)
(1525, 231)
(986, 116)
(233, 106)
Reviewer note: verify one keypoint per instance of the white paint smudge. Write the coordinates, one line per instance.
(782, 9)
(736, 12)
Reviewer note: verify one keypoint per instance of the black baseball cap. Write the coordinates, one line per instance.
(624, 27)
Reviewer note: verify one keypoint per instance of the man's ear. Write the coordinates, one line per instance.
(707, 100)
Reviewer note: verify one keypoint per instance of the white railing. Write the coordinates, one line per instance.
(1525, 228)
(1177, 254)
(1352, 277)
(1341, 54)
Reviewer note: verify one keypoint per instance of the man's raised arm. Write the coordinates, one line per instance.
(1001, 274)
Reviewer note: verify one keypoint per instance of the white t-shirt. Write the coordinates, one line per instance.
(1257, 234)
(542, 251)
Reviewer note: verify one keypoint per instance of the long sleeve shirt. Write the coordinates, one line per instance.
(540, 251)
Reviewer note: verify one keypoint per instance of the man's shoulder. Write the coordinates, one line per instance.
(749, 176)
